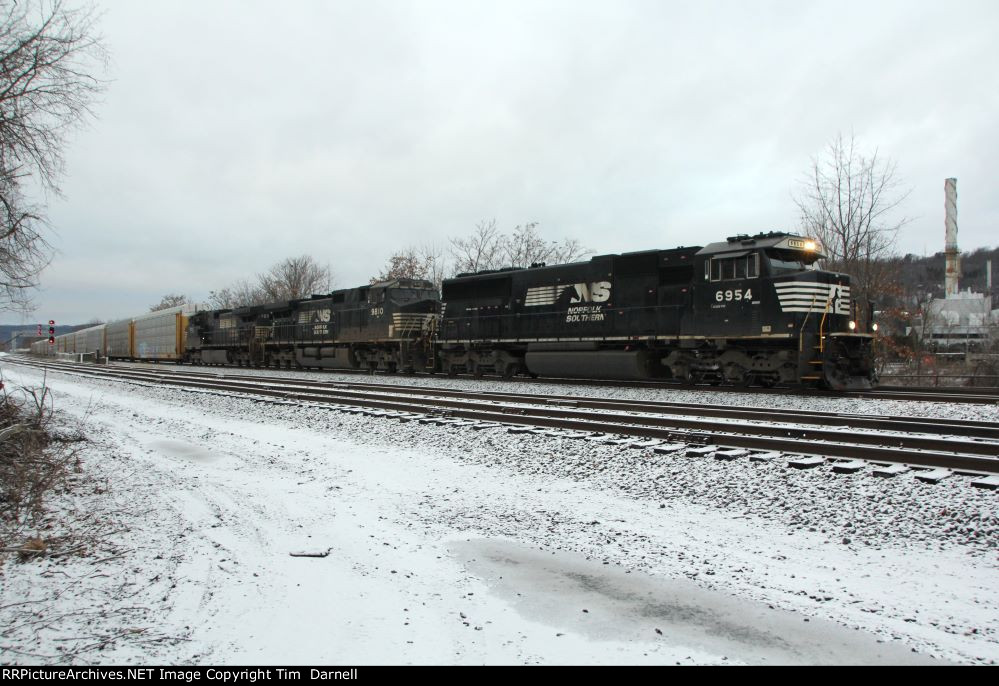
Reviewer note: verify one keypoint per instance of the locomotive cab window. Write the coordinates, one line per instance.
(731, 267)
(790, 261)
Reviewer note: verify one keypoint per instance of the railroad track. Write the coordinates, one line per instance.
(952, 394)
(964, 446)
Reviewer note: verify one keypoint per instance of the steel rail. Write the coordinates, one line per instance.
(957, 394)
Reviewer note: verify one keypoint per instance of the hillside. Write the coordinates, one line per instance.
(926, 274)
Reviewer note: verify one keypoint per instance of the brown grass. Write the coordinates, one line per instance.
(35, 462)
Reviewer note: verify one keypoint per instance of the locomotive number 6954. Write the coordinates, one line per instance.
(734, 294)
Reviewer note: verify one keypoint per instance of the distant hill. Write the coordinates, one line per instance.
(926, 274)
(7, 331)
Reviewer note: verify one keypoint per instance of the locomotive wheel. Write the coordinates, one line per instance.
(510, 370)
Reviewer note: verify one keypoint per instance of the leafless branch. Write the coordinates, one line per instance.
(849, 201)
(48, 56)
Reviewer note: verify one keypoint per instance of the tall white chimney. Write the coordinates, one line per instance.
(951, 252)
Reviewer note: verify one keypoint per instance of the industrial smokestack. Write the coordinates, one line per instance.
(951, 252)
(988, 282)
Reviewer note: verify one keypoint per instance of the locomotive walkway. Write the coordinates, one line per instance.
(960, 445)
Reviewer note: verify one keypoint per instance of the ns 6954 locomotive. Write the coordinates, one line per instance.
(748, 310)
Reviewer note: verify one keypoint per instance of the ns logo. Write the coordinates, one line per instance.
(595, 292)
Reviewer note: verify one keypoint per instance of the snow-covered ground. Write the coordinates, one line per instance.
(449, 545)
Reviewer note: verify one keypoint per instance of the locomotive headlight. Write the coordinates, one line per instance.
(874, 327)
(811, 246)
(852, 325)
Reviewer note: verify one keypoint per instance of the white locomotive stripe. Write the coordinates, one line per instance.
(804, 296)
(543, 295)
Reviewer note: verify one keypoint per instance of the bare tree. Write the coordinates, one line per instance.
(569, 250)
(849, 202)
(290, 279)
(481, 250)
(240, 294)
(295, 277)
(488, 248)
(168, 301)
(423, 262)
(48, 54)
(525, 247)
(405, 264)
(435, 263)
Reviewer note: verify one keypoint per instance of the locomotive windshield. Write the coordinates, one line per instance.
(790, 261)
(407, 294)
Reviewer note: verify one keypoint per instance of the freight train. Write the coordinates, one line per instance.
(750, 310)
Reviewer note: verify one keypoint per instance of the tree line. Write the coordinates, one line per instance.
(486, 247)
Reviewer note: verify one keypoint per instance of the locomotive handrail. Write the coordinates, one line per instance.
(822, 326)
(804, 322)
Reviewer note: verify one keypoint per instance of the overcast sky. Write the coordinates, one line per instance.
(234, 134)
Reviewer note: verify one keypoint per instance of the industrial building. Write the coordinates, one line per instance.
(962, 320)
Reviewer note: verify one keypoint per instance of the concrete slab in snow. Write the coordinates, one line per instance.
(989, 482)
(809, 462)
(891, 470)
(668, 448)
(645, 444)
(933, 476)
(848, 466)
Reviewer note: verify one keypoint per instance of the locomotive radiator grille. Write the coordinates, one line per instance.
(543, 295)
(808, 296)
(404, 323)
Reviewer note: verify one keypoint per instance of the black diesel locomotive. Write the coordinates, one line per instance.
(749, 310)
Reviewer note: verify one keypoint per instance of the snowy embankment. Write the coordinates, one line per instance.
(447, 545)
